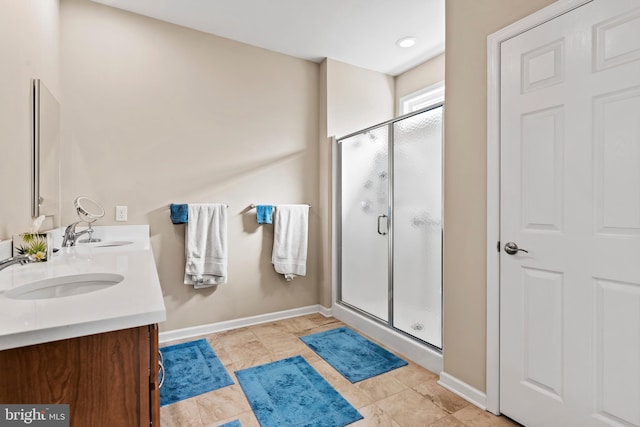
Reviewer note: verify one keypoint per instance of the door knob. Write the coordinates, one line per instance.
(511, 248)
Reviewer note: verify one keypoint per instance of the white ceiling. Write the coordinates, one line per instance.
(358, 32)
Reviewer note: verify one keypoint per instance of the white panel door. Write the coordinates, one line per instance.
(570, 196)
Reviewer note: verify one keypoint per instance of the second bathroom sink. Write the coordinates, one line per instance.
(97, 243)
(114, 243)
(64, 286)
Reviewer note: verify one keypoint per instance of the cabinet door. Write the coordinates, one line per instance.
(104, 378)
(154, 388)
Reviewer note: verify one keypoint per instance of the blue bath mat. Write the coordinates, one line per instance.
(234, 423)
(291, 393)
(351, 354)
(191, 368)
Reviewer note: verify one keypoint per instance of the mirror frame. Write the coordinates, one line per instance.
(35, 148)
(45, 139)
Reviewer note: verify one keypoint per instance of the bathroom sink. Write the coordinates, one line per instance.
(64, 286)
(114, 243)
(96, 243)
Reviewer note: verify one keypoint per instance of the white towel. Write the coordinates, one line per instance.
(206, 245)
(290, 236)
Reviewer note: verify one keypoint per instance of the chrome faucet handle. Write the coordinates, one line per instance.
(27, 259)
(69, 238)
(22, 259)
(70, 234)
(18, 259)
(71, 228)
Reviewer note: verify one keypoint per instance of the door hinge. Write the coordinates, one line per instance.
(498, 246)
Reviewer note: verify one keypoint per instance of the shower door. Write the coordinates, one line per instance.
(390, 225)
(364, 221)
(417, 226)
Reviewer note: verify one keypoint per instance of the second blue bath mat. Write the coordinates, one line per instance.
(351, 354)
(190, 369)
(291, 393)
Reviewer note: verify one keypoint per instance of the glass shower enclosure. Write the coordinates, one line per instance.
(390, 223)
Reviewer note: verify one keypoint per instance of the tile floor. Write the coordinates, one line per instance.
(405, 397)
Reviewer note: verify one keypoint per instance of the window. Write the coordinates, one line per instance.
(422, 98)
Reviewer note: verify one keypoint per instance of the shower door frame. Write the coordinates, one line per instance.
(390, 202)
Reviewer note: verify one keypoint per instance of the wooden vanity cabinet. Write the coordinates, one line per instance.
(108, 379)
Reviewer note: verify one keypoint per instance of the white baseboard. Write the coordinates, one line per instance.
(412, 349)
(326, 312)
(212, 328)
(463, 390)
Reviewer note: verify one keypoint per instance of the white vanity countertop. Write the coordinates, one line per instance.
(136, 301)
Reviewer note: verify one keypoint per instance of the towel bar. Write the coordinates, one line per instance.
(252, 206)
(169, 205)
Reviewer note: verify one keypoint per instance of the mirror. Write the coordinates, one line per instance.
(88, 210)
(45, 162)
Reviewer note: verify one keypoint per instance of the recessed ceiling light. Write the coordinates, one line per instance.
(406, 42)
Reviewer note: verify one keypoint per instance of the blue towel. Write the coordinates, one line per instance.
(179, 213)
(264, 214)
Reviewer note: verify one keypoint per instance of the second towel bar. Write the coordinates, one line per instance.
(252, 206)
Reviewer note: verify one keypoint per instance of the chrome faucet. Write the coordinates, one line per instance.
(70, 235)
(18, 259)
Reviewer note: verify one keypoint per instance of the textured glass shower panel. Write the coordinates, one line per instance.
(364, 189)
(417, 226)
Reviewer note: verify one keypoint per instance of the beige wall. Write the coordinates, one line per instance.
(419, 77)
(356, 98)
(28, 50)
(154, 113)
(325, 153)
(468, 25)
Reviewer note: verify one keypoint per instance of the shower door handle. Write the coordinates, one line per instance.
(383, 216)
